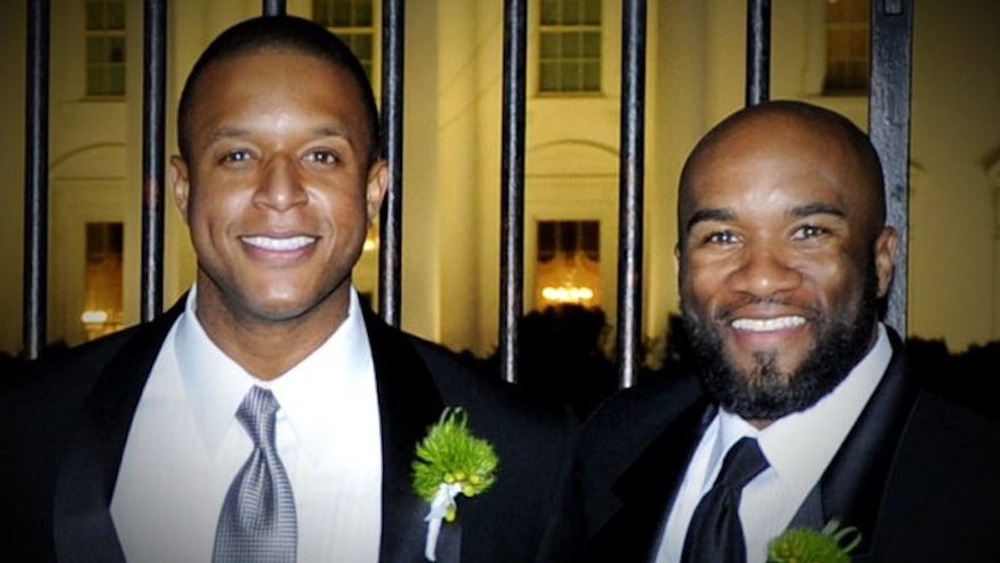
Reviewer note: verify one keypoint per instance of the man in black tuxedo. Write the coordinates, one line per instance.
(128, 447)
(783, 255)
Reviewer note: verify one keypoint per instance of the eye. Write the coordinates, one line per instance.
(806, 232)
(236, 156)
(722, 238)
(323, 156)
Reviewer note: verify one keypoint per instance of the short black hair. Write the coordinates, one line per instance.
(282, 33)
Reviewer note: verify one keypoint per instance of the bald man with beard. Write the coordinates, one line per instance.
(783, 257)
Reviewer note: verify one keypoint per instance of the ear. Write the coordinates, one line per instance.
(179, 179)
(378, 181)
(885, 258)
(677, 256)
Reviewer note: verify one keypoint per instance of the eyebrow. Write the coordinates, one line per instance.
(816, 209)
(712, 214)
(725, 214)
(319, 130)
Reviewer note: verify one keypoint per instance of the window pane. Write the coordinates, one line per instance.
(549, 77)
(550, 45)
(95, 15)
(571, 77)
(550, 12)
(341, 13)
(116, 80)
(592, 12)
(572, 12)
(363, 13)
(591, 76)
(116, 16)
(592, 45)
(116, 49)
(571, 47)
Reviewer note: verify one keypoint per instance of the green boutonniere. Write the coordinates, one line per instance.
(450, 461)
(832, 544)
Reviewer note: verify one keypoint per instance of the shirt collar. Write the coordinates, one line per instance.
(800, 445)
(215, 384)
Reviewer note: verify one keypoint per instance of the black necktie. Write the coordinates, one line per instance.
(715, 534)
(258, 522)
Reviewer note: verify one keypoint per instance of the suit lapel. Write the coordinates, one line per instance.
(409, 403)
(853, 486)
(82, 525)
(648, 487)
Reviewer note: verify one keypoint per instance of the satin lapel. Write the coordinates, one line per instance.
(853, 486)
(409, 403)
(83, 528)
(648, 487)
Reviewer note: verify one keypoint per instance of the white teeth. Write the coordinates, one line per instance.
(279, 244)
(765, 325)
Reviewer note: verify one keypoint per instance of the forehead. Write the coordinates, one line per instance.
(774, 162)
(272, 87)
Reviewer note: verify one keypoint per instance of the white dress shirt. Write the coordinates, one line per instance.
(185, 447)
(798, 448)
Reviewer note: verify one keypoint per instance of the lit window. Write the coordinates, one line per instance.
(353, 21)
(847, 52)
(568, 270)
(570, 46)
(102, 300)
(105, 36)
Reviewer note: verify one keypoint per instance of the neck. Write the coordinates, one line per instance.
(268, 348)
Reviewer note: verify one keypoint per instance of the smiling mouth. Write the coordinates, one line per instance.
(768, 325)
(285, 244)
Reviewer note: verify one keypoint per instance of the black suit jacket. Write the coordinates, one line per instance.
(66, 421)
(919, 476)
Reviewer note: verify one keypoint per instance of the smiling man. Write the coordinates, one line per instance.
(268, 416)
(803, 411)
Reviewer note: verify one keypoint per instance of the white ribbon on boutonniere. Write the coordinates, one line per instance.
(450, 461)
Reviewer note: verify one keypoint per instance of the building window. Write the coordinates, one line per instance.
(570, 46)
(353, 21)
(105, 36)
(847, 52)
(102, 291)
(568, 270)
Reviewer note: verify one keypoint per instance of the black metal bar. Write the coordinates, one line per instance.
(889, 127)
(391, 225)
(512, 181)
(273, 7)
(758, 51)
(630, 197)
(36, 181)
(154, 96)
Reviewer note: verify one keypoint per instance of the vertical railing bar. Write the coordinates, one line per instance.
(512, 182)
(758, 51)
(154, 92)
(36, 181)
(391, 223)
(273, 7)
(889, 128)
(630, 199)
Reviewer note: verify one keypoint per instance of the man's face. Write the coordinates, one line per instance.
(781, 265)
(279, 191)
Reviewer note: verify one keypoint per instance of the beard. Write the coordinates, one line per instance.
(768, 394)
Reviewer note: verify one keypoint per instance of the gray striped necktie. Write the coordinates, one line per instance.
(257, 522)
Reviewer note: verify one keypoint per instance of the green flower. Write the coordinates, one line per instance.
(450, 457)
(803, 545)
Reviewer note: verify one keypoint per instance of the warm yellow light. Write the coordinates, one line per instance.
(94, 317)
(567, 294)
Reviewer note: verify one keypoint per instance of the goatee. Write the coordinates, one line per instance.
(768, 394)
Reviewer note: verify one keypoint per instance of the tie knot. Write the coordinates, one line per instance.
(257, 414)
(743, 462)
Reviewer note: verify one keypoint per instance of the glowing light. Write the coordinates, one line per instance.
(94, 317)
(567, 294)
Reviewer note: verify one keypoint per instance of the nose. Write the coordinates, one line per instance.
(280, 187)
(765, 270)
